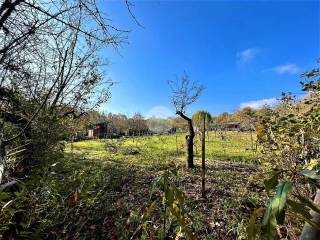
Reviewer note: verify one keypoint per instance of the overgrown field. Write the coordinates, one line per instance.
(98, 189)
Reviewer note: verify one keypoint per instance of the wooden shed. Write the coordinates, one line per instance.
(230, 126)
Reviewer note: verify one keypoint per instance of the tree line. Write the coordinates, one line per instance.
(119, 124)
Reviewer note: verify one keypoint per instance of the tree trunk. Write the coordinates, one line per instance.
(309, 232)
(203, 156)
(189, 139)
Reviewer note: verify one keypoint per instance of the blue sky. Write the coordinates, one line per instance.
(244, 52)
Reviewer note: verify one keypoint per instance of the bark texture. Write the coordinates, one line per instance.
(189, 139)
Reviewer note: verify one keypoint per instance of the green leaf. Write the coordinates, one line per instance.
(275, 209)
(156, 184)
(302, 212)
(149, 211)
(310, 174)
(4, 196)
(253, 228)
(309, 203)
(281, 196)
(299, 208)
(169, 195)
(269, 223)
(272, 182)
(314, 183)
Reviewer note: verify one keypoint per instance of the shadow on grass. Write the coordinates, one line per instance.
(79, 198)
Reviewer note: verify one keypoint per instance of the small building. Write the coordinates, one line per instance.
(90, 133)
(104, 129)
(230, 126)
(84, 134)
(100, 129)
(97, 130)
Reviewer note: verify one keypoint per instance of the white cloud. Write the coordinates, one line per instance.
(287, 68)
(260, 103)
(160, 112)
(247, 55)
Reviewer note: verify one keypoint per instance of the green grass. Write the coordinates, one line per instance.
(125, 168)
(113, 180)
(161, 149)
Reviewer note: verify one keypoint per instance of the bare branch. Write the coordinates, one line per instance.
(184, 93)
(129, 6)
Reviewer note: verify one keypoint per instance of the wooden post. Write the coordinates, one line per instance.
(203, 156)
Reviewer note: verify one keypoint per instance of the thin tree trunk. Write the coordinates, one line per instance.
(203, 156)
(189, 140)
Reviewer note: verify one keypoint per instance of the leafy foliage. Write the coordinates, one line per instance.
(94, 191)
(290, 146)
(172, 211)
(198, 119)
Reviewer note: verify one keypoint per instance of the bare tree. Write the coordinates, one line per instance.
(49, 62)
(184, 93)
